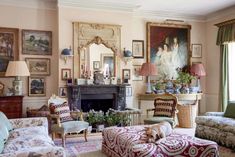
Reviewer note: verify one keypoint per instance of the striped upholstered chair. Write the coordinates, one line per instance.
(164, 110)
(64, 120)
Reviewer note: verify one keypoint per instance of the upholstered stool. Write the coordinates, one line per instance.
(132, 142)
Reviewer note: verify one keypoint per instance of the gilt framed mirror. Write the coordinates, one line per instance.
(96, 43)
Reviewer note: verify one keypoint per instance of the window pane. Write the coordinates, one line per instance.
(231, 56)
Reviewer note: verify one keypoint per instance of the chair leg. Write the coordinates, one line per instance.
(85, 134)
(63, 140)
(53, 136)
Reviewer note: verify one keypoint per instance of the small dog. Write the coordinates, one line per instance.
(157, 131)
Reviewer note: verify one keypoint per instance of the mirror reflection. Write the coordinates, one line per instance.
(97, 58)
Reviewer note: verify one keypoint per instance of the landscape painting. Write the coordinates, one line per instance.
(37, 86)
(8, 47)
(38, 66)
(36, 42)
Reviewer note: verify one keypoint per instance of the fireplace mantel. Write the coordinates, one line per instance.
(116, 93)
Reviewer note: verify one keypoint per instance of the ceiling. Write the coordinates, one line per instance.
(195, 9)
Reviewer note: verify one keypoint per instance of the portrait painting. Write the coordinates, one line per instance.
(38, 66)
(126, 74)
(168, 48)
(107, 61)
(37, 86)
(35, 42)
(8, 47)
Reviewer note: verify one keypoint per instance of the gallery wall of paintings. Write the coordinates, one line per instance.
(34, 42)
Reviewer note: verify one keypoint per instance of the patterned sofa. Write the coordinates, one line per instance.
(29, 137)
(216, 127)
(132, 142)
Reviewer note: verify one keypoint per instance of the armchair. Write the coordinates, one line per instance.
(164, 110)
(63, 120)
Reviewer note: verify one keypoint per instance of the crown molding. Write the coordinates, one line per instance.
(35, 4)
(169, 15)
(123, 6)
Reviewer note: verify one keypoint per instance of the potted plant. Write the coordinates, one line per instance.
(159, 87)
(185, 79)
(96, 119)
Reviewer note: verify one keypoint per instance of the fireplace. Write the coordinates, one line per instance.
(97, 97)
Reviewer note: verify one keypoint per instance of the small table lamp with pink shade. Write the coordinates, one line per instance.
(198, 71)
(148, 69)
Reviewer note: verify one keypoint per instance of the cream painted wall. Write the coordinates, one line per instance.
(35, 19)
(213, 63)
(133, 28)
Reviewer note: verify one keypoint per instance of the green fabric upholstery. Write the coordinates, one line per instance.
(230, 111)
(4, 134)
(156, 119)
(70, 126)
(5, 121)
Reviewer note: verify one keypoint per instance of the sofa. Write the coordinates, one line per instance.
(218, 127)
(133, 142)
(26, 137)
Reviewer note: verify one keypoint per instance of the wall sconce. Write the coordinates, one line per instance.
(127, 56)
(66, 53)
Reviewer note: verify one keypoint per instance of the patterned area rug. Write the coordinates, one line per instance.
(77, 147)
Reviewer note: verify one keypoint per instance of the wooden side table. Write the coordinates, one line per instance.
(11, 106)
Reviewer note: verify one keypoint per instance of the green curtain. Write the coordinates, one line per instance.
(224, 77)
(226, 34)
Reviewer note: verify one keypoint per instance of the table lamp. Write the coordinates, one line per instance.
(148, 69)
(17, 69)
(198, 71)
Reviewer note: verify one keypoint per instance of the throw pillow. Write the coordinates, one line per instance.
(62, 110)
(4, 134)
(157, 131)
(164, 107)
(5, 121)
(2, 141)
(230, 111)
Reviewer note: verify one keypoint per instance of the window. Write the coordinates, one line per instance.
(231, 60)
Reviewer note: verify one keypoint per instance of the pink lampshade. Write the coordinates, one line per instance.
(148, 69)
(198, 70)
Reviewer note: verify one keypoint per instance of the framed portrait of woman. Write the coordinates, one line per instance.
(168, 48)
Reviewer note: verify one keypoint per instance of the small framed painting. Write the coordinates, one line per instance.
(63, 92)
(96, 65)
(126, 74)
(138, 48)
(38, 66)
(37, 86)
(135, 71)
(35, 42)
(197, 50)
(65, 74)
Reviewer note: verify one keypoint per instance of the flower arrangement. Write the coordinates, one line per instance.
(184, 77)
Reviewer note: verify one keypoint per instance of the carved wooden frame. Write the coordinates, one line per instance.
(85, 34)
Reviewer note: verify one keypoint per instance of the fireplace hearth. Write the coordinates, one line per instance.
(97, 97)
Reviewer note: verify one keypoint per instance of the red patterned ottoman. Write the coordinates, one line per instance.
(131, 142)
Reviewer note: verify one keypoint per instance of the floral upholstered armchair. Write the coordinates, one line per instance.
(65, 121)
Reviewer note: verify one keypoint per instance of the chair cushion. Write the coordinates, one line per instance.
(154, 120)
(164, 107)
(5, 121)
(230, 111)
(62, 110)
(70, 126)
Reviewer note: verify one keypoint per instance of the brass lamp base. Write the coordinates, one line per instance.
(17, 86)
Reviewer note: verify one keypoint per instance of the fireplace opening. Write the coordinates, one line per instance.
(97, 104)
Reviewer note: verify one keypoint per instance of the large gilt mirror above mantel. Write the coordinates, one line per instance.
(96, 48)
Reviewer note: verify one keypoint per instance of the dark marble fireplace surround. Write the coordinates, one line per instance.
(97, 97)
